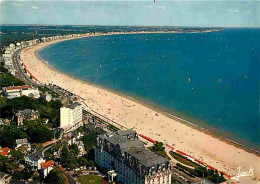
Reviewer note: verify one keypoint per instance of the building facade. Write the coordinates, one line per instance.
(17, 91)
(71, 115)
(28, 114)
(128, 161)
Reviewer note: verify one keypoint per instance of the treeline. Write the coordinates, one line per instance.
(7, 79)
(12, 165)
(34, 131)
(37, 131)
(48, 110)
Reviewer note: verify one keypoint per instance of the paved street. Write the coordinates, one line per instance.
(20, 72)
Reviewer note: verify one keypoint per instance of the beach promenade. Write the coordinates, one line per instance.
(131, 114)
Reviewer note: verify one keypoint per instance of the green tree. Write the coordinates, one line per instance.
(57, 147)
(57, 175)
(48, 155)
(67, 158)
(9, 134)
(51, 111)
(2, 101)
(3, 69)
(23, 102)
(27, 171)
(39, 133)
(89, 140)
(71, 166)
(17, 157)
(74, 149)
(82, 161)
(158, 146)
(18, 175)
(9, 80)
(64, 155)
(7, 111)
(91, 163)
(3, 161)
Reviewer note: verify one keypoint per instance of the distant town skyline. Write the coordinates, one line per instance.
(133, 13)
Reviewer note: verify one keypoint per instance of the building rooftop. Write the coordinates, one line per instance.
(21, 141)
(35, 156)
(128, 142)
(74, 105)
(47, 164)
(17, 87)
(121, 137)
(145, 156)
(27, 112)
(4, 151)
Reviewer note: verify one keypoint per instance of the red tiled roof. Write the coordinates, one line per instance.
(47, 164)
(17, 87)
(4, 151)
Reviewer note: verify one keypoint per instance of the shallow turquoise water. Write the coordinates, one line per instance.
(210, 79)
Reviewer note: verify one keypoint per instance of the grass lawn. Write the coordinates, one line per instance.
(161, 153)
(183, 160)
(90, 179)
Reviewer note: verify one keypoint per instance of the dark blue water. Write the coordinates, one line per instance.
(223, 67)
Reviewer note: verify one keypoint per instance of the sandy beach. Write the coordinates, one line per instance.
(215, 152)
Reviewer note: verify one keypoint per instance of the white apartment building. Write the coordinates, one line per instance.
(12, 46)
(18, 45)
(71, 116)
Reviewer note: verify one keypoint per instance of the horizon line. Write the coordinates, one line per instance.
(16, 24)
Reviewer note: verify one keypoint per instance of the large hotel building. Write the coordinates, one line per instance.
(127, 160)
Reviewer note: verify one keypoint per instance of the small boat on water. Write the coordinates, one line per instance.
(219, 80)
(189, 80)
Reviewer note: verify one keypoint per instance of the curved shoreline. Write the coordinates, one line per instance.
(229, 140)
(129, 98)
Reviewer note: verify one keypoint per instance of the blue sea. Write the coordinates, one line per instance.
(210, 79)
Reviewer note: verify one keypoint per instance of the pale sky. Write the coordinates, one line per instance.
(208, 13)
